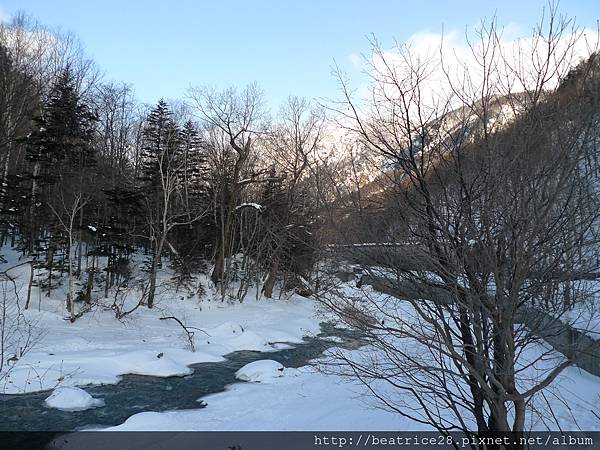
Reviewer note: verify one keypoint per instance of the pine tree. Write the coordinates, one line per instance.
(162, 181)
(63, 133)
(160, 144)
(61, 154)
(194, 169)
(192, 172)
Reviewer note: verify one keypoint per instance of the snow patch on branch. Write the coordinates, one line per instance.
(250, 205)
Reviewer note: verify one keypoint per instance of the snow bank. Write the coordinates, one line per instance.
(72, 399)
(99, 349)
(301, 400)
(263, 370)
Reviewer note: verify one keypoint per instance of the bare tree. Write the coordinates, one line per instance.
(66, 213)
(115, 105)
(18, 334)
(233, 119)
(18, 100)
(291, 147)
(491, 211)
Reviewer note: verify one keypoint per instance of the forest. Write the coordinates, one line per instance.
(91, 176)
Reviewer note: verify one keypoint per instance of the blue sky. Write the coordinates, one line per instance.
(162, 47)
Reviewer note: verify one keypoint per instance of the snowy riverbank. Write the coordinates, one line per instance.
(97, 348)
(307, 400)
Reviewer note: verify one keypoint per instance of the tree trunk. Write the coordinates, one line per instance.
(155, 264)
(89, 284)
(217, 273)
(50, 266)
(79, 252)
(29, 285)
(71, 276)
(4, 187)
(108, 269)
(152, 283)
(272, 277)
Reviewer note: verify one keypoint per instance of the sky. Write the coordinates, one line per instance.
(287, 47)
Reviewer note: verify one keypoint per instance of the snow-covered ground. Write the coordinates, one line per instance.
(97, 348)
(585, 316)
(262, 371)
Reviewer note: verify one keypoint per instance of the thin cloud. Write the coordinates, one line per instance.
(452, 61)
(356, 59)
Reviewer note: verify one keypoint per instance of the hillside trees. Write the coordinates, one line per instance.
(91, 176)
(117, 120)
(18, 100)
(263, 204)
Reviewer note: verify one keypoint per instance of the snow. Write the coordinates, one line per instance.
(98, 349)
(306, 399)
(299, 400)
(249, 205)
(260, 371)
(72, 399)
(585, 316)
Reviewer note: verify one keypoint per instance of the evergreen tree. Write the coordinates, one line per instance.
(194, 170)
(160, 144)
(63, 133)
(61, 154)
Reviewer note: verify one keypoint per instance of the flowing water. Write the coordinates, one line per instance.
(137, 393)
